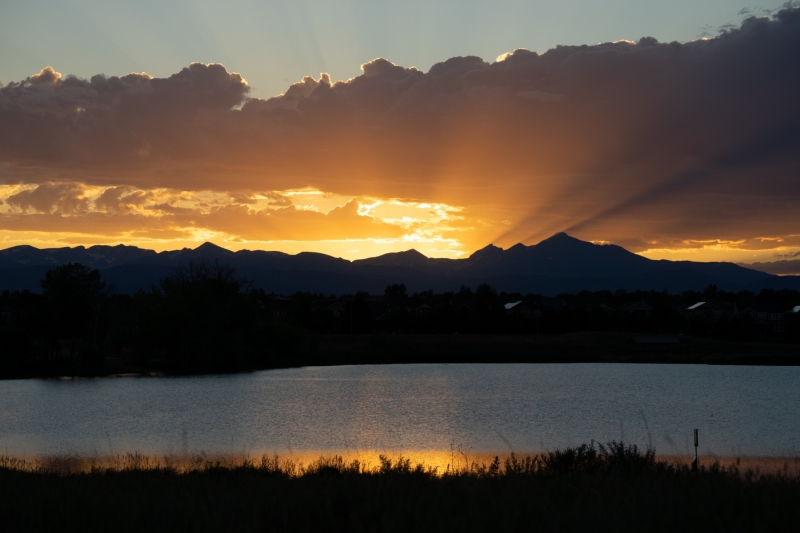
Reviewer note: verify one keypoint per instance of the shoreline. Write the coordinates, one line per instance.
(377, 349)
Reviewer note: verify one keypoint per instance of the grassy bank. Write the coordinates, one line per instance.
(589, 488)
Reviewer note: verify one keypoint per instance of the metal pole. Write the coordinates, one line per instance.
(694, 462)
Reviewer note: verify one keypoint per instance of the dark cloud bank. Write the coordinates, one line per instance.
(692, 140)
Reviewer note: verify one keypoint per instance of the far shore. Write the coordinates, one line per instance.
(376, 349)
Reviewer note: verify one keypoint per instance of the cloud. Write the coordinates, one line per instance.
(627, 142)
(50, 120)
(788, 255)
(271, 198)
(780, 268)
(295, 224)
(62, 198)
(121, 199)
(47, 76)
(116, 211)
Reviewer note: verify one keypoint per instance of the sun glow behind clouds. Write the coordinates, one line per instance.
(758, 249)
(292, 221)
(297, 220)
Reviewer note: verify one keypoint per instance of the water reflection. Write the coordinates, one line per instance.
(422, 408)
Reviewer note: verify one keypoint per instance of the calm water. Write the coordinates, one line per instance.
(739, 410)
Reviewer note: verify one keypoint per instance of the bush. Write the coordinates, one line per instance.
(16, 347)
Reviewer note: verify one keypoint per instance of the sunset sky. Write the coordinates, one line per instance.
(356, 128)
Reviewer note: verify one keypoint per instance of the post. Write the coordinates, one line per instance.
(694, 461)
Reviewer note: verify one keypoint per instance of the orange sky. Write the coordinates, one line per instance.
(300, 220)
(677, 151)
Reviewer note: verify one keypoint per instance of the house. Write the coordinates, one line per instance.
(336, 308)
(9, 315)
(706, 311)
(554, 304)
(13, 312)
(278, 307)
(461, 308)
(792, 323)
(521, 308)
(632, 309)
(767, 317)
(420, 311)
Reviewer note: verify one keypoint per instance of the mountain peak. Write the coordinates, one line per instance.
(562, 241)
(487, 251)
(410, 258)
(409, 254)
(561, 237)
(210, 247)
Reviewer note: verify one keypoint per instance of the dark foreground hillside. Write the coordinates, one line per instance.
(590, 488)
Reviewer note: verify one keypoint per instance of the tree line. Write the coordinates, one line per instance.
(200, 311)
(203, 317)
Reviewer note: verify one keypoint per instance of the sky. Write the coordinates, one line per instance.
(357, 128)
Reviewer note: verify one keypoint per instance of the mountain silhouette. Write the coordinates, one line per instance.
(486, 254)
(559, 256)
(560, 263)
(409, 258)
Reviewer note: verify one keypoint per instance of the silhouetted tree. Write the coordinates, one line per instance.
(357, 317)
(73, 295)
(209, 319)
(486, 299)
(395, 295)
(16, 346)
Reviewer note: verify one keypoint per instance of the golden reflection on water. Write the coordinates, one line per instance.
(441, 461)
(297, 463)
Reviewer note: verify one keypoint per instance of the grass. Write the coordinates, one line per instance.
(587, 488)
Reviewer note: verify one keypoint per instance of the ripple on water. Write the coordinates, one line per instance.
(428, 408)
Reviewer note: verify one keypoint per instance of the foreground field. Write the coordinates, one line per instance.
(589, 488)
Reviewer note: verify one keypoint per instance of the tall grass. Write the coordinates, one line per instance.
(587, 488)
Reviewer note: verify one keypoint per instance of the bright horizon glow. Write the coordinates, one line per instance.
(366, 248)
(430, 229)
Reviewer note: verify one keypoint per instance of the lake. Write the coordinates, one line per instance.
(738, 410)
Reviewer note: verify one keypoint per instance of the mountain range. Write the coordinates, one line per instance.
(558, 264)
